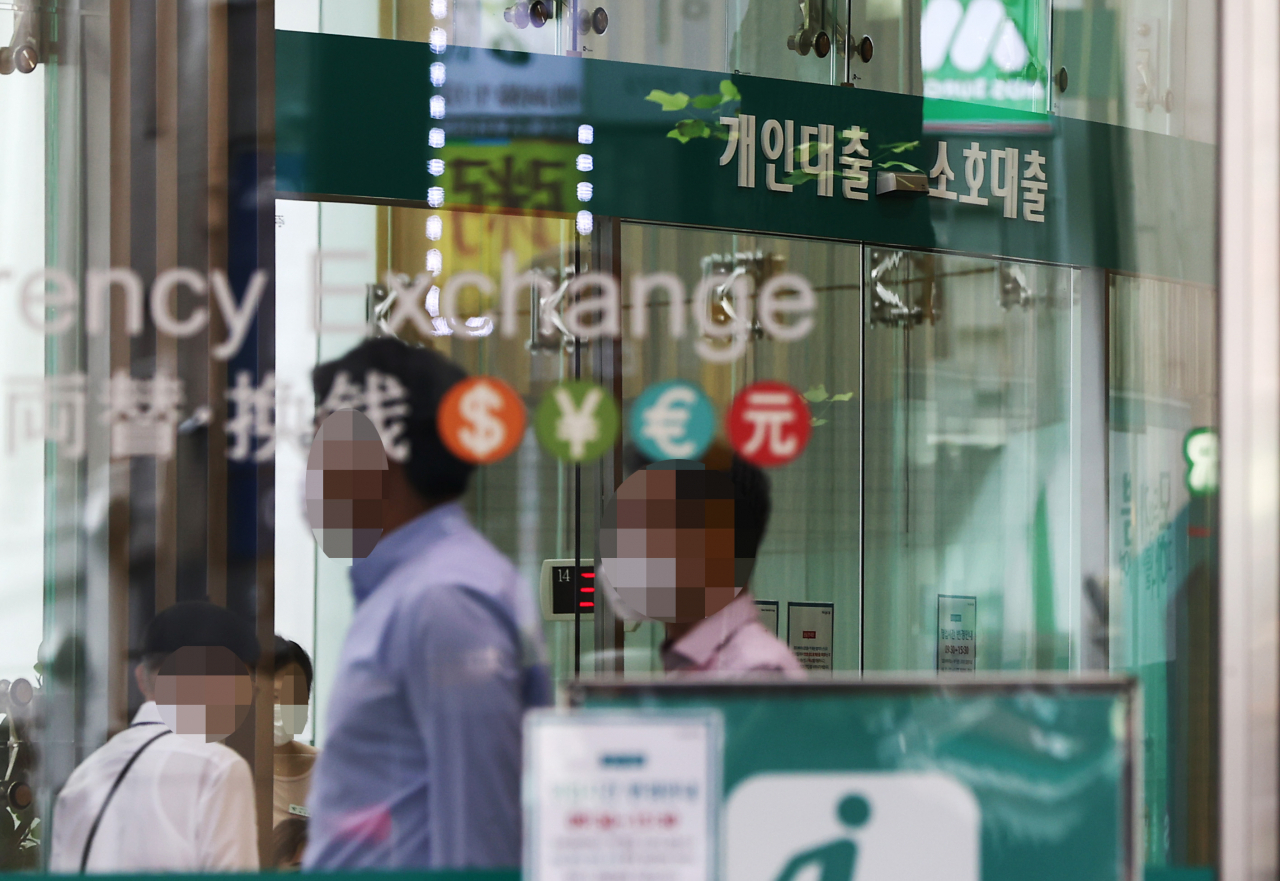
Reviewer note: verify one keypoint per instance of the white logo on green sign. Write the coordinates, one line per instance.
(908, 826)
(978, 52)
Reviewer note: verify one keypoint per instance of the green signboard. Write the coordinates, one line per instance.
(632, 141)
(1012, 781)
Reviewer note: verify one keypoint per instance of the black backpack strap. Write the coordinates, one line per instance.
(93, 830)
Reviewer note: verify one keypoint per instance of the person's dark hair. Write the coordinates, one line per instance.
(197, 623)
(752, 505)
(752, 501)
(289, 835)
(426, 375)
(289, 652)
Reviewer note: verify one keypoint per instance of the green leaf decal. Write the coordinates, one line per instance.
(667, 101)
(706, 102)
(729, 91)
(843, 396)
(693, 128)
(798, 178)
(817, 393)
(816, 422)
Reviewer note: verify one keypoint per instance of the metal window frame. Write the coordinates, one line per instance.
(1249, 285)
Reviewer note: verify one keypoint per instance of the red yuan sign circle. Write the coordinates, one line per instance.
(768, 424)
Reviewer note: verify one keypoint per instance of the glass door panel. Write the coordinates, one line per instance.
(970, 475)
(1163, 546)
(810, 551)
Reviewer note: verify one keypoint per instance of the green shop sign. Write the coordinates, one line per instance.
(988, 52)
(496, 130)
(992, 780)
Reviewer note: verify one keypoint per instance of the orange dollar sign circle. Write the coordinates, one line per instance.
(481, 420)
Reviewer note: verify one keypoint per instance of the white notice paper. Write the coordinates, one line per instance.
(810, 627)
(612, 796)
(768, 612)
(957, 634)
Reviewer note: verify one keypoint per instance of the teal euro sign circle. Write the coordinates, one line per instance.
(672, 420)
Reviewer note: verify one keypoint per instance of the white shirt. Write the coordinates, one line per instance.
(183, 806)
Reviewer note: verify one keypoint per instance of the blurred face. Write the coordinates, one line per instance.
(203, 693)
(666, 546)
(345, 472)
(290, 686)
(291, 701)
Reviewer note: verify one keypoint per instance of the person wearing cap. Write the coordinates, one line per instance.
(421, 760)
(164, 795)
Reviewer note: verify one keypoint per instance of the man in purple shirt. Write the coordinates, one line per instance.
(678, 544)
(421, 766)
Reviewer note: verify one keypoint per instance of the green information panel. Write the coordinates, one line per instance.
(965, 780)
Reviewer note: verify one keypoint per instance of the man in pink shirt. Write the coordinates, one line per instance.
(678, 543)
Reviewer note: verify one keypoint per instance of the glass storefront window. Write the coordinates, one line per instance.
(970, 241)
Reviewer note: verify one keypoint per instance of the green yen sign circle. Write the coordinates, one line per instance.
(577, 421)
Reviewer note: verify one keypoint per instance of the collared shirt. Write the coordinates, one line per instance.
(731, 641)
(421, 766)
(183, 806)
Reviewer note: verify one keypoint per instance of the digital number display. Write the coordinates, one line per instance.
(562, 590)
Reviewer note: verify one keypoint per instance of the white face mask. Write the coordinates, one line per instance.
(288, 720)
